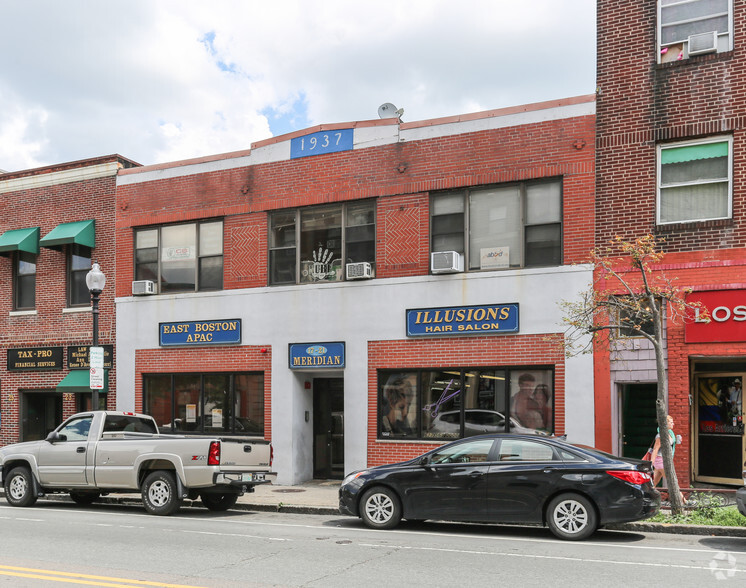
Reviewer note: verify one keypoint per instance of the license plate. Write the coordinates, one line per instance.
(252, 477)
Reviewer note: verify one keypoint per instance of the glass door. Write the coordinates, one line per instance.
(719, 434)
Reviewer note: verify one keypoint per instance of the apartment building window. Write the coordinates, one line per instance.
(693, 27)
(24, 278)
(78, 265)
(499, 227)
(181, 258)
(315, 244)
(694, 181)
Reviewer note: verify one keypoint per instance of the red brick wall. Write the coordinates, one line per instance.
(641, 103)
(400, 176)
(204, 360)
(507, 350)
(46, 207)
(699, 270)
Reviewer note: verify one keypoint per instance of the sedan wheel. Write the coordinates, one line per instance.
(380, 508)
(572, 516)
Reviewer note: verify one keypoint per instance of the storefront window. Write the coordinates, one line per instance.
(209, 403)
(531, 400)
(454, 403)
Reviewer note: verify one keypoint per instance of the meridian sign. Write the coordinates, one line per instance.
(316, 355)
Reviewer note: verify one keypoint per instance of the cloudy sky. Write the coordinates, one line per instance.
(163, 80)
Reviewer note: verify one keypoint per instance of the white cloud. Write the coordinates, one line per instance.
(159, 81)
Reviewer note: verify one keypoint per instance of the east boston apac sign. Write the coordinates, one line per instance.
(220, 332)
(305, 356)
(462, 320)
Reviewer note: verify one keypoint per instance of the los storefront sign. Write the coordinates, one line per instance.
(727, 317)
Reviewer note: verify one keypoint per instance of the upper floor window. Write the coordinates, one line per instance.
(694, 181)
(78, 265)
(693, 27)
(181, 258)
(517, 225)
(24, 279)
(316, 244)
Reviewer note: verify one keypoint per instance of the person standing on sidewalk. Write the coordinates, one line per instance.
(656, 457)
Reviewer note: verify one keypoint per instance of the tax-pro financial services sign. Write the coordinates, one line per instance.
(220, 332)
(462, 320)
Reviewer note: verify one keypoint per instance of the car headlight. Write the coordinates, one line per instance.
(350, 477)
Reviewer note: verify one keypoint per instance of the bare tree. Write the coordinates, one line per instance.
(630, 296)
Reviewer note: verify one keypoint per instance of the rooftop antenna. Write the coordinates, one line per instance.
(388, 110)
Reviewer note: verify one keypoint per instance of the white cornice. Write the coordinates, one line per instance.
(54, 178)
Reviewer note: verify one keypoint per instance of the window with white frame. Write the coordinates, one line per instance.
(693, 27)
(181, 258)
(499, 227)
(694, 181)
(316, 244)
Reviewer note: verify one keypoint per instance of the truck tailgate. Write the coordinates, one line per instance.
(245, 455)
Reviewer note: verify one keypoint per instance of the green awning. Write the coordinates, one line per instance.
(80, 233)
(26, 240)
(80, 381)
(694, 152)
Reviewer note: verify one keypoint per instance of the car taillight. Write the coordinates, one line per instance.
(271, 454)
(213, 458)
(631, 476)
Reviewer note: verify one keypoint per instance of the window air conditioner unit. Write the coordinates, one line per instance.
(359, 271)
(703, 43)
(143, 287)
(446, 262)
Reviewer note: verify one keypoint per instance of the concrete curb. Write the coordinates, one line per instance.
(642, 527)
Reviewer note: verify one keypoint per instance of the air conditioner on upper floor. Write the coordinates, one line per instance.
(143, 287)
(703, 43)
(359, 271)
(446, 262)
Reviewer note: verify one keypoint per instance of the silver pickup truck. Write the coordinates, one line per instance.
(100, 452)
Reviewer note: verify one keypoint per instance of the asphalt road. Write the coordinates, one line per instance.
(59, 543)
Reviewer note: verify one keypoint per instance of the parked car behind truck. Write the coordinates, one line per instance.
(102, 452)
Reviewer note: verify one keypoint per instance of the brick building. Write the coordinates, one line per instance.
(55, 220)
(359, 292)
(670, 162)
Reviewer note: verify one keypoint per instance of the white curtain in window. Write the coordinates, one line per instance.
(698, 202)
(495, 220)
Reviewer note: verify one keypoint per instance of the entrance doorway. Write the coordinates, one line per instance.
(639, 426)
(719, 428)
(41, 412)
(328, 428)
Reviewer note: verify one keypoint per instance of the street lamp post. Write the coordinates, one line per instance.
(95, 280)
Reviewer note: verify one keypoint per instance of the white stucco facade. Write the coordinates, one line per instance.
(355, 313)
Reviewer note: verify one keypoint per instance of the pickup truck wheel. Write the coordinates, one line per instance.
(85, 498)
(19, 487)
(219, 502)
(159, 493)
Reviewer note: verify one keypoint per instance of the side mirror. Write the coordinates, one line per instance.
(425, 460)
(55, 436)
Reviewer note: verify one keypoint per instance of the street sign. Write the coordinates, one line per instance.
(96, 377)
(96, 357)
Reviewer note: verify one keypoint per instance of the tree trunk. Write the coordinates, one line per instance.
(672, 482)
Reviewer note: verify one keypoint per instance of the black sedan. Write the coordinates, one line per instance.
(504, 478)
